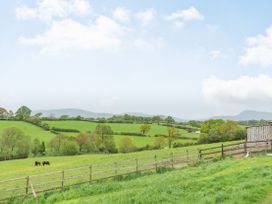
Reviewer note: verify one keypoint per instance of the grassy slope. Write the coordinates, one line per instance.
(85, 126)
(29, 129)
(24, 167)
(228, 181)
(116, 127)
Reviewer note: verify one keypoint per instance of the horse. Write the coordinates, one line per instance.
(46, 163)
(37, 163)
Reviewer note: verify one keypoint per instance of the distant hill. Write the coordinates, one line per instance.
(248, 115)
(72, 113)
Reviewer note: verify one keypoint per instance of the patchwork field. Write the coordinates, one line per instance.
(24, 167)
(231, 181)
(31, 130)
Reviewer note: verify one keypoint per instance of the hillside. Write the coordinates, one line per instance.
(31, 130)
(227, 181)
(248, 115)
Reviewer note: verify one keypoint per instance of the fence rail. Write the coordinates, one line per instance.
(35, 184)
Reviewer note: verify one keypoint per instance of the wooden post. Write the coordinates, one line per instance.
(137, 165)
(172, 159)
(156, 163)
(27, 184)
(115, 164)
(245, 147)
(266, 146)
(91, 173)
(62, 179)
(222, 151)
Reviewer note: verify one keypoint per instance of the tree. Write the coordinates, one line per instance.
(210, 124)
(159, 142)
(169, 120)
(64, 117)
(23, 112)
(14, 144)
(157, 119)
(69, 147)
(145, 128)
(126, 145)
(171, 135)
(38, 148)
(3, 113)
(56, 143)
(82, 140)
(104, 133)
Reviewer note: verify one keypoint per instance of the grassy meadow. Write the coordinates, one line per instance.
(24, 167)
(232, 181)
(31, 130)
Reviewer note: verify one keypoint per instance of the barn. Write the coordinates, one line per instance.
(259, 133)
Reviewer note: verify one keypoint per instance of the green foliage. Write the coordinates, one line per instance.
(220, 130)
(145, 128)
(160, 142)
(69, 147)
(38, 148)
(23, 112)
(126, 145)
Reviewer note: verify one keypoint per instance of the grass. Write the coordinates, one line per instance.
(85, 126)
(31, 130)
(25, 167)
(243, 181)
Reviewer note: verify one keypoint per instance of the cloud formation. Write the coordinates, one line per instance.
(69, 34)
(47, 10)
(181, 17)
(258, 50)
(121, 14)
(244, 90)
(146, 16)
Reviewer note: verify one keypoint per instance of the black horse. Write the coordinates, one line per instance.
(46, 163)
(37, 163)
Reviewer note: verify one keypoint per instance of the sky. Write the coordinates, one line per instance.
(190, 59)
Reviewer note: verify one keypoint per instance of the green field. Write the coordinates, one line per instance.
(24, 167)
(85, 126)
(244, 181)
(31, 130)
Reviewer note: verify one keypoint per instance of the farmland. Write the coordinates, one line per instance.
(24, 167)
(226, 181)
(30, 130)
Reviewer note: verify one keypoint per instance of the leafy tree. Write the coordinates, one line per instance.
(64, 117)
(56, 143)
(172, 131)
(145, 128)
(38, 148)
(23, 112)
(126, 145)
(169, 120)
(210, 124)
(159, 142)
(69, 147)
(157, 119)
(104, 133)
(82, 140)
(3, 113)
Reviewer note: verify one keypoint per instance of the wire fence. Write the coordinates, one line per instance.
(35, 184)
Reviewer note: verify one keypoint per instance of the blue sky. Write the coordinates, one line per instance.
(191, 59)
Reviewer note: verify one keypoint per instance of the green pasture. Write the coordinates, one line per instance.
(231, 181)
(31, 130)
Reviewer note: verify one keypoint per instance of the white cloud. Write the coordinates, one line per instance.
(259, 50)
(121, 14)
(152, 44)
(47, 10)
(180, 17)
(215, 54)
(146, 16)
(243, 91)
(68, 35)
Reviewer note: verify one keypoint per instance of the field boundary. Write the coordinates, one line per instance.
(59, 180)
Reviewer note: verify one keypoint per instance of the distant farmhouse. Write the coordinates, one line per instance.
(259, 133)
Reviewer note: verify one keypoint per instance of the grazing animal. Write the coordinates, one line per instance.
(37, 163)
(46, 163)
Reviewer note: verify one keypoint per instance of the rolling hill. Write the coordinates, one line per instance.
(248, 115)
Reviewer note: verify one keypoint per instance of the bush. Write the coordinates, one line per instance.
(126, 145)
(69, 148)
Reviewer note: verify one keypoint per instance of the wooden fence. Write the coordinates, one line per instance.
(35, 184)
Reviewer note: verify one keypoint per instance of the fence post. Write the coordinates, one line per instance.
(62, 179)
(156, 163)
(115, 164)
(172, 159)
(27, 184)
(266, 146)
(222, 150)
(137, 165)
(245, 147)
(91, 173)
